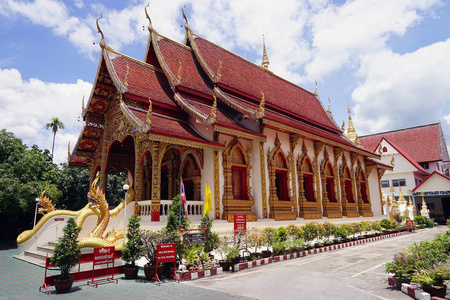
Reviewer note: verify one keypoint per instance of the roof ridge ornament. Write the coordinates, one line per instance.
(343, 126)
(150, 26)
(125, 81)
(262, 104)
(213, 110)
(148, 119)
(102, 41)
(219, 72)
(179, 73)
(315, 90)
(184, 16)
(265, 59)
(329, 106)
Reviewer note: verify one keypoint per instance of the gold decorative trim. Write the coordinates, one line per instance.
(293, 140)
(318, 138)
(172, 140)
(239, 134)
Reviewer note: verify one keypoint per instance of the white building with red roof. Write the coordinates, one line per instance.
(418, 154)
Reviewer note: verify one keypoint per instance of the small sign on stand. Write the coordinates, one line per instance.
(240, 223)
(410, 224)
(166, 253)
(194, 238)
(102, 256)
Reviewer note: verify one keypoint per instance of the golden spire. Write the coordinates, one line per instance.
(148, 120)
(150, 27)
(265, 59)
(351, 132)
(102, 41)
(262, 103)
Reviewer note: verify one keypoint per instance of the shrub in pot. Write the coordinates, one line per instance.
(133, 248)
(66, 255)
(268, 234)
(403, 267)
(432, 280)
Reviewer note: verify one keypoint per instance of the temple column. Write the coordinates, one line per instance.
(157, 151)
(262, 164)
(139, 185)
(104, 159)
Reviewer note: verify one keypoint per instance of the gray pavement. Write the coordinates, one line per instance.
(351, 273)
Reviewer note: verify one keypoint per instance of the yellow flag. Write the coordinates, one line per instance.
(208, 206)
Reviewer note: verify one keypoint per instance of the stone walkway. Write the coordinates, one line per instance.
(21, 280)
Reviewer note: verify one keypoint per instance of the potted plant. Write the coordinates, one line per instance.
(432, 281)
(66, 255)
(403, 267)
(133, 248)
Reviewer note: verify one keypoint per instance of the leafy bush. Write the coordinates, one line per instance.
(341, 232)
(294, 232)
(403, 265)
(310, 231)
(281, 234)
(365, 227)
(213, 237)
(386, 224)
(269, 235)
(376, 226)
(434, 276)
(420, 220)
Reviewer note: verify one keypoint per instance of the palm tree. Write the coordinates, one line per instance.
(55, 124)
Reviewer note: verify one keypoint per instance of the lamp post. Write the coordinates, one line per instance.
(35, 211)
(125, 188)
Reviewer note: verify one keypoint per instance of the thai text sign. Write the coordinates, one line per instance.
(240, 223)
(165, 253)
(194, 238)
(103, 255)
(410, 223)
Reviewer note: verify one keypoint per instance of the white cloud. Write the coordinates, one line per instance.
(27, 105)
(403, 90)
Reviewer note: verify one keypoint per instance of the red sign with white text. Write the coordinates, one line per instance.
(165, 253)
(240, 223)
(410, 223)
(103, 255)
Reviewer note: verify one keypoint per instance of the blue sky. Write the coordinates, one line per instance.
(388, 59)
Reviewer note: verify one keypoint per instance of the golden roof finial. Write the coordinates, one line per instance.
(265, 59)
(150, 27)
(343, 125)
(315, 90)
(214, 109)
(219, 71)
(329, 106)
(125, 81)
(148, 120)
(179, 72)
(184, 16)
(351, 132)
(262, 104)
(380, 148)
(102, 41)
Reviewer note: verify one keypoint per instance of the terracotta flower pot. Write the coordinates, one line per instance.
(130, 272)
(63, 285)
(437, 291)
(399, 280)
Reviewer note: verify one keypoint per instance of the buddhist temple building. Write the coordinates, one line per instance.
(197, 112)
(421, 166)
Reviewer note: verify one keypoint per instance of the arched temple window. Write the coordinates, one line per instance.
(329, 182)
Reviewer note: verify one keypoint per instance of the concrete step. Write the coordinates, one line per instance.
(32, 260)
(47, 249)
(37, 254)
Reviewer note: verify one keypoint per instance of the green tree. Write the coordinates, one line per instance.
(175, 218)
(114, 187)
(74, 185)
(55, 125)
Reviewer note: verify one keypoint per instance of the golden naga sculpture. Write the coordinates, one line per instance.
(97, 205)
(45, 204)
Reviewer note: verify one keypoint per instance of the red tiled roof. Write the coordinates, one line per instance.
(170, 127)
(143, 80)
(251, 79)
(407, 156)
(174, 53)
(421, 143)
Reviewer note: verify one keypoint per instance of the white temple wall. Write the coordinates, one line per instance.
(256, 180)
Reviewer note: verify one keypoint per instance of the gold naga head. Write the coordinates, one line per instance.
(45, 204)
